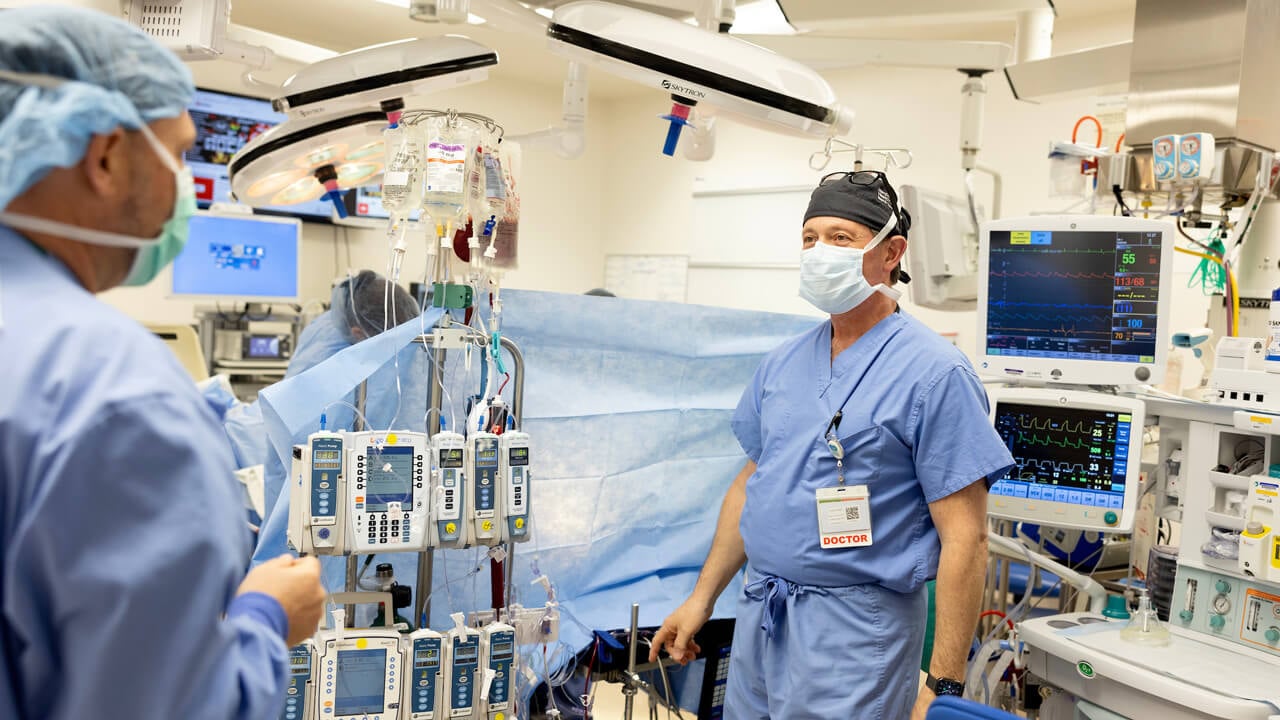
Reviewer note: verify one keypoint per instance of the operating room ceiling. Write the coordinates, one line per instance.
(343, 25)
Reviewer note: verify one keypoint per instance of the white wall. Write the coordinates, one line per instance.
(561, 207)
(651, 208)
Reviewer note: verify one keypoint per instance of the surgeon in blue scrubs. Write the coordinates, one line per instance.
(869, 457)
(123, 592)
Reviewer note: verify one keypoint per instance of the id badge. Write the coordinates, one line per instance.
(844, 517)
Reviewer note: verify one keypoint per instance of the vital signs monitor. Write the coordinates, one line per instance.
(1075, 299)
(1077, 458)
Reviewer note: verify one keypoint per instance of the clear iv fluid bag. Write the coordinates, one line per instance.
(400, 182)
(445, 193)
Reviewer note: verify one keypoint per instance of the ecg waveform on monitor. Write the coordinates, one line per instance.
(1051, 318)
(1030, 422)
(1064, 442)
(1037, 468)
(1002, 304)
(1059, 275)
(1062, 330)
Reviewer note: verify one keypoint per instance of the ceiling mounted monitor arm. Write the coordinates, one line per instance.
(716, 15)
(206, 33)
(569, 139)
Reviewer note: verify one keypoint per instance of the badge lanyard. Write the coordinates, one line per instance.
(833, 442)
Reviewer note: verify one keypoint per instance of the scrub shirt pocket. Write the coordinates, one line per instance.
(863, 451)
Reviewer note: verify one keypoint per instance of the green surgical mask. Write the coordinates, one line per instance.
(154, 254)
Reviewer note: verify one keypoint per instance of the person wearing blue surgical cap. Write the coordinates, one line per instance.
(124, 590)
(869, 457)
(361, 306)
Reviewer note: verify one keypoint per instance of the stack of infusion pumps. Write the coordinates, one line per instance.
(379, 674)
(384, 492)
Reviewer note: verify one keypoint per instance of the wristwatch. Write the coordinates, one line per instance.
(944, 686)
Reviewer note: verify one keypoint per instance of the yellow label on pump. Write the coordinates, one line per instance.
(450, 528)
(391, 439)
(1259, 420)
(362, 643)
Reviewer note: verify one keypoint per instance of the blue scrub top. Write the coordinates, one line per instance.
(914, 428)
(121, 524)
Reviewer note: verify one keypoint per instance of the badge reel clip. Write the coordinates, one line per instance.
(844, 513)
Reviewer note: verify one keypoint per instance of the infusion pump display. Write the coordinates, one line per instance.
(1076, 458)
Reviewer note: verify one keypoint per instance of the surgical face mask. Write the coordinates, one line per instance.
(154, 254)
(831, 276)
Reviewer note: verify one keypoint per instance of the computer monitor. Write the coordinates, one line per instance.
(249, 258)
(224, 124)
(1078, 458)
(942, 250)
(1075, 299)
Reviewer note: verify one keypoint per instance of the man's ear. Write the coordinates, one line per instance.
(105, 164)
(897, 248)
(359, 334)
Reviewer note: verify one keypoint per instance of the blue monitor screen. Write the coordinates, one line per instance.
(224, 124)
(360, 682)
(1080, 295)
(1065, 454)
(240, 257)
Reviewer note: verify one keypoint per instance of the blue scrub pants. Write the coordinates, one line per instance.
(818, 653)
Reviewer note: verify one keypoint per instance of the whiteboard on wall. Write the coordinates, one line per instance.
(647, 277)
(753, 226)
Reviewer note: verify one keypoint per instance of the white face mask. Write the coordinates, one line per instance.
(831, 276)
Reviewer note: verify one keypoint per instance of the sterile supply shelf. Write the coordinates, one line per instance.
(1186, 680)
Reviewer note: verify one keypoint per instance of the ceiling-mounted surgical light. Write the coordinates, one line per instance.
(367, 77)
(698, 67)
(303, 160)
(337, 109)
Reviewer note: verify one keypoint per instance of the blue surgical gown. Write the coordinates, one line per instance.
(914, 429)
(121, 524)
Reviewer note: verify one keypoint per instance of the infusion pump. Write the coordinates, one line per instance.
(378, 674)
(381, 492)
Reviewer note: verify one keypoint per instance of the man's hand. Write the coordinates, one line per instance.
(678, 629)
(295, 584)
(923, 701)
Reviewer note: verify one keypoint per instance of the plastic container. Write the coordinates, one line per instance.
(448, 164)
(401, 181)
(1144, 627)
